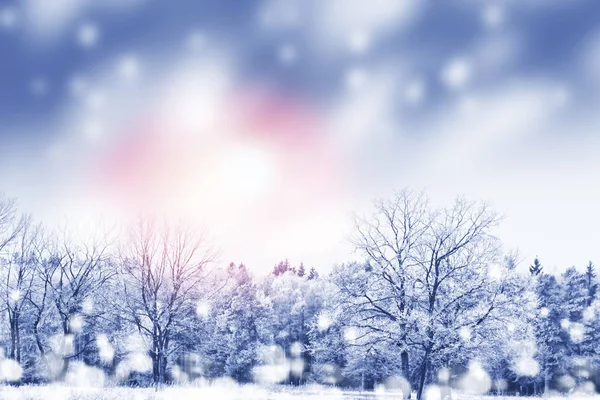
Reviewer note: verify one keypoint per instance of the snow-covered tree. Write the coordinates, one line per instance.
(162, 269)
(536, 268)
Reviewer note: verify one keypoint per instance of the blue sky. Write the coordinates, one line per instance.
(271, 121)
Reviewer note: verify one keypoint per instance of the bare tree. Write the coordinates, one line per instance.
(10, 225)
(18, 277)
(38, 297)
(456, 292)
(162, 272)
(426, 277)
(387, 240)
(71, 275)
(15, 271)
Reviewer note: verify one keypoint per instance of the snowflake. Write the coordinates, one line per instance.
(128, 68)
(456, 73)
(356, 78)
(527, 366)
(415, 92)
(288, 54)
(10, 370)
(323, 322)
(493, 15)
(359, 42)
(88, 35)
(203, 309)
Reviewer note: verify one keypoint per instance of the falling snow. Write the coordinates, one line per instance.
(274, 126)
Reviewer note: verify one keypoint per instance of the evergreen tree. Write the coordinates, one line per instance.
(536, 268)
(301, 271)
(575, 294)
(592, 286)
(245, 332)
(574, 303)
(281, 268)
(313, 274)
(289, 328)
(549, 338)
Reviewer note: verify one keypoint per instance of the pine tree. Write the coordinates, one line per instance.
(592, 286)
(313, 274)
(511, 261)
(573, 305)
(301, 271)
(536, 268)
(575, 296)
(589, 344)
(549, 336)
(281, 268)
(246, 315)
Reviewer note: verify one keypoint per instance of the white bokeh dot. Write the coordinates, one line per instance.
(38, 86)
(8, 18)
(128, 68)
(77, 86)
(414, 92)
(356, 78)
(93, 130)
(95, 100)
(195, 41)
(359, 42)
(323, 322)
(456, 73)
(288, 54)
(493, 15)
(88, 35)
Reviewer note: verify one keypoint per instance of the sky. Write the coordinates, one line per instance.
(270, 122)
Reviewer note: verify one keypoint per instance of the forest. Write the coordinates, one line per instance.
(429, 299)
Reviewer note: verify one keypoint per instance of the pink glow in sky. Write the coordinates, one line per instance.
(270, 122)
(262, 168)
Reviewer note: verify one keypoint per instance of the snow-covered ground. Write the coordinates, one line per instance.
(248, 392)
(221, 392)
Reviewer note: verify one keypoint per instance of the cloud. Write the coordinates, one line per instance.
(48, 19)
(189, 137)
(341, 19)
(493, 120)
(339, 24)
(9, 17)
(590, 57)
(364, 111)
(514, 147)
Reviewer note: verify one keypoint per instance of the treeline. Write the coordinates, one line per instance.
(433, 302)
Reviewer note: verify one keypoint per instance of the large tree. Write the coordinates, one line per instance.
(73, 274)
(427, 277)
(388, 239)
(162, 269)
(18, 277)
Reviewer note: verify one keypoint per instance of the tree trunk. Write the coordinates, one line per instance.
(36, 333)
(155, 361)
(11, 319)
(405, 370)
(18, 337)
(159, 360)
(15, 335)
(405, 365)
(423, 374)
(163, 366)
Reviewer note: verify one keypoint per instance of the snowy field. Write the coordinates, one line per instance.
(249, 392)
